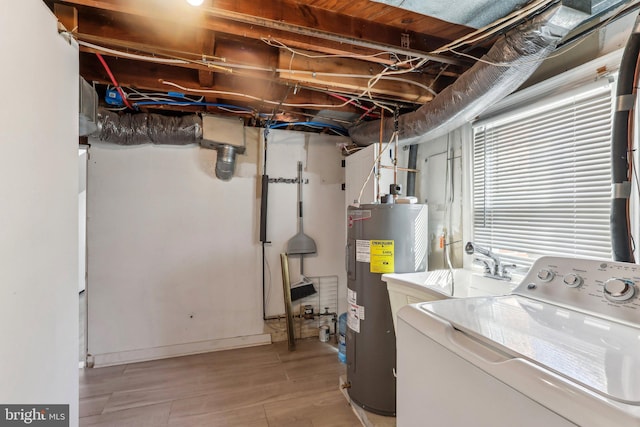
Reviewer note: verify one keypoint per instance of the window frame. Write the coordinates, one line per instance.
(536, 99)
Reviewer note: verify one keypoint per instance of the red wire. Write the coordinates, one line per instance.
(350, 101)
(114, 81)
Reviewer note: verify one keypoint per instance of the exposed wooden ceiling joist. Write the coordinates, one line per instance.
(243, 90)
(298, 56)
(289, 22)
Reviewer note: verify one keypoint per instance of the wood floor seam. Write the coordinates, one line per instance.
(252, 387)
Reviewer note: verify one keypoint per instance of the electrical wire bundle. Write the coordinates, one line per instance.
(364, 100)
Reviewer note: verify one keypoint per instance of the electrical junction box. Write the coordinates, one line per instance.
(112, 97)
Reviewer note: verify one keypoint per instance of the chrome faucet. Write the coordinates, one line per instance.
(493, 267)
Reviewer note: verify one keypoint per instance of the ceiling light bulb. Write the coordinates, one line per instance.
(195, 2)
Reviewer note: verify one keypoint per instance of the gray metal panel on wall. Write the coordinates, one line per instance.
(371, 343)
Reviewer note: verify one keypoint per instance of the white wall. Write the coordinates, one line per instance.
(443, 196)
(174, 258)
(324, 211)
(172, 252)
(39, 213)
(358, 168)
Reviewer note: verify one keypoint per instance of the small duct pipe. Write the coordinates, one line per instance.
(519, 52)
(621, 146)
(412, 164)
(226, 161)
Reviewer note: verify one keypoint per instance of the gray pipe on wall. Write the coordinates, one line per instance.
(621, 144)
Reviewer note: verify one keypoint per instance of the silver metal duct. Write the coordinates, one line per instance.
(520, 51)
(226, 162)
(227, 136)
(88, 109)
(478, 13)
(140, 128)
(472, 13)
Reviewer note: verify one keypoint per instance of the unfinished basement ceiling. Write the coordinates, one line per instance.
(471, 13)
(283, 61)
(480, 13)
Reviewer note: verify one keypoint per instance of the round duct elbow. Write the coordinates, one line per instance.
(226, 162)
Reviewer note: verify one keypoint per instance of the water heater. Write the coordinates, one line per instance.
(381, 238)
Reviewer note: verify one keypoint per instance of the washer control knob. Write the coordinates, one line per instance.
(572, 280)
(619, 290)
(546, 275)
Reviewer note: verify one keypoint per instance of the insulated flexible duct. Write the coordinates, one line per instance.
(621, 145)
(520, 51)
(141, 128)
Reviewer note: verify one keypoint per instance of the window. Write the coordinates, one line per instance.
(542, 180)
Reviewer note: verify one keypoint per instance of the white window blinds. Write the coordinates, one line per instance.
(542, 180)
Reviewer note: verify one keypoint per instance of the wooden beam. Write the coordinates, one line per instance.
(231, 89)
(231, 35)
(67, 16)
(335, 72)
(206, 79)
(302, 33)
(207, 43)
(328, 26)
(270, 60)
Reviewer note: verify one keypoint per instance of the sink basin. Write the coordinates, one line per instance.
(410, 288)
(467, 283)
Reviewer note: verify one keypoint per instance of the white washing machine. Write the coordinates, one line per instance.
(562, 350)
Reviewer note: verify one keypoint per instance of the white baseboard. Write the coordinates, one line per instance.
(142, 355)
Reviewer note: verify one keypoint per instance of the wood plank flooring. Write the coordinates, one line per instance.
(258, 386)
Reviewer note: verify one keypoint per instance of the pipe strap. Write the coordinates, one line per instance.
(625, 102)
(621, 190)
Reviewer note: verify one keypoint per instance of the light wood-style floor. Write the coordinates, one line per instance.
(258, 386)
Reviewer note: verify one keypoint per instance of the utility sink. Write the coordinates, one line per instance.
(410, 288)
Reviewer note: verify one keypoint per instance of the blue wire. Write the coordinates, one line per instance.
(177, 95)
(310, 124)
(195, 103)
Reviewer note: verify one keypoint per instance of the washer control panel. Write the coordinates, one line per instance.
(605, 288)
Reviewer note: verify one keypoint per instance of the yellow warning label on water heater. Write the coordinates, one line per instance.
(382, 256)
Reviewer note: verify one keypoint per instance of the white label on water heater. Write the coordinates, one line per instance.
(353, 318)
(354, 311)
(363, 250)
(351, 296)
